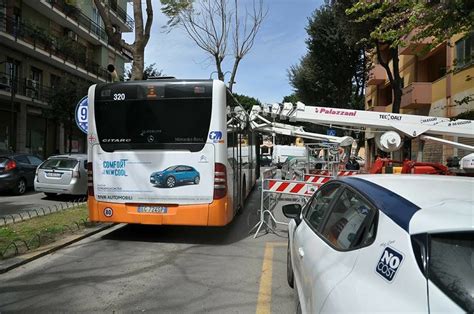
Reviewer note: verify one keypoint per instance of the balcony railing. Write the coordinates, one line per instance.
(64, 48)
(377, 75)
(25, 87)
(416, 94)
(121, 13)
(76, 14)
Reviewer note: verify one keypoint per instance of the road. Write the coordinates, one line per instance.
(134, 268)
(11, 204)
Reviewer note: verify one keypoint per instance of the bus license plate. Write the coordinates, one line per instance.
(152, 209)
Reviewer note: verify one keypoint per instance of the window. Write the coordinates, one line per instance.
(35, 161)
(62, 163)
(450, 266)
(349, 222)
(21, 159)
(152, 123)
(320, 204)
(465, 51)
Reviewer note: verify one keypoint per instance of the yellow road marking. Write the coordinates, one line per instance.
(265, 290)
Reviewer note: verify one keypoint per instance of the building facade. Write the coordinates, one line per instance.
(437, 83)
(43, 42)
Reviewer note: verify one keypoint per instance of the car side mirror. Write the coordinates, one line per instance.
(292, 211)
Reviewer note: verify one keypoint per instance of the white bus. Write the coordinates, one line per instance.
(160, 152)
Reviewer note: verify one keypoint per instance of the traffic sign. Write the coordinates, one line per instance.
(82, 114)
(331, 132)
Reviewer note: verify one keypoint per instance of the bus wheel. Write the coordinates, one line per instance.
(170, 182)
(196, 180)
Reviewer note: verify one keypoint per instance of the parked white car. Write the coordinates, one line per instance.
(378, 243)
(62, 174)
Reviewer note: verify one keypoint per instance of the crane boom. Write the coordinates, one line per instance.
(410, 125)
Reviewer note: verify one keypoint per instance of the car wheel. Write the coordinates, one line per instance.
(290, 276)
(20, 187)
(170, 182)
(196, 180)
(50, 194)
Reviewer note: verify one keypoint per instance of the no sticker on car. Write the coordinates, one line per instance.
(389, 263)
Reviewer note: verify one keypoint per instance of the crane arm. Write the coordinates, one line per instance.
(410, 125)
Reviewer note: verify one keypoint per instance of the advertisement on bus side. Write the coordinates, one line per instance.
(171, 177)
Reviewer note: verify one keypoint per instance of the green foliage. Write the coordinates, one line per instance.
(63, 101)
(467, 115)
(172, 8)
(326, 75)
(394, 20)
(149, 72)
(246, 101)
(293, 98)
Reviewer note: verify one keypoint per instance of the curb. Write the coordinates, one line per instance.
(17, 261)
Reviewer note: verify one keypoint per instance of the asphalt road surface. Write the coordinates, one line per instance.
(11, 204)
(134, 268)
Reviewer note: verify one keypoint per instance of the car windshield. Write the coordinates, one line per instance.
(170, 168)
(59, 163)
(450, 266)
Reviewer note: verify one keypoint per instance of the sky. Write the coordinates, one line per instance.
(262, 73)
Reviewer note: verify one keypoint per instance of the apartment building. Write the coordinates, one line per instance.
(43, 42)
(436, 83)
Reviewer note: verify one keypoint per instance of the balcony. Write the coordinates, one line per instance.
(377, 108)
(377, 75)
(411, 47)
(416, 95)
(25, 88)
(64, 53)
(71, 17)
(121, 15)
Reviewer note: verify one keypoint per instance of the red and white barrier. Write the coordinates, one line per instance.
(315, 178)
(292, 187)
(339, 173)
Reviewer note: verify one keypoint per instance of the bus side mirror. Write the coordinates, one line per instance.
(292, 211)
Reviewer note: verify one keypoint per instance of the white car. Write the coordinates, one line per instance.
(384, 243)
(62, 174)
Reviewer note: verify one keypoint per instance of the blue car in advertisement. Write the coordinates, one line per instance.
(175, 175)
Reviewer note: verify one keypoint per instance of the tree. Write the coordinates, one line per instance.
(246, 101)
(142, 33)
(293, 98)
(389, 23)
(332, 73)
(384, 41)
(63, 103)
(211, 24)
(149, 72)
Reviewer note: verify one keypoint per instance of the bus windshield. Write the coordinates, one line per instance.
(165, 121)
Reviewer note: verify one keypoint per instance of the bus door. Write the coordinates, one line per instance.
(234, 157)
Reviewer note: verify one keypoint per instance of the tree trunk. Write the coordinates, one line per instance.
(397, 82)
(220, 74)
(138, 63)
(394, 78)
(234, 72)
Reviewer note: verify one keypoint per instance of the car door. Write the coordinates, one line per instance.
(308, 246)
(27, 170)
(350, 229)
(335, 240)
(179, 173)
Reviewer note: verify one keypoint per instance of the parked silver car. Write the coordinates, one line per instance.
(62, 174)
